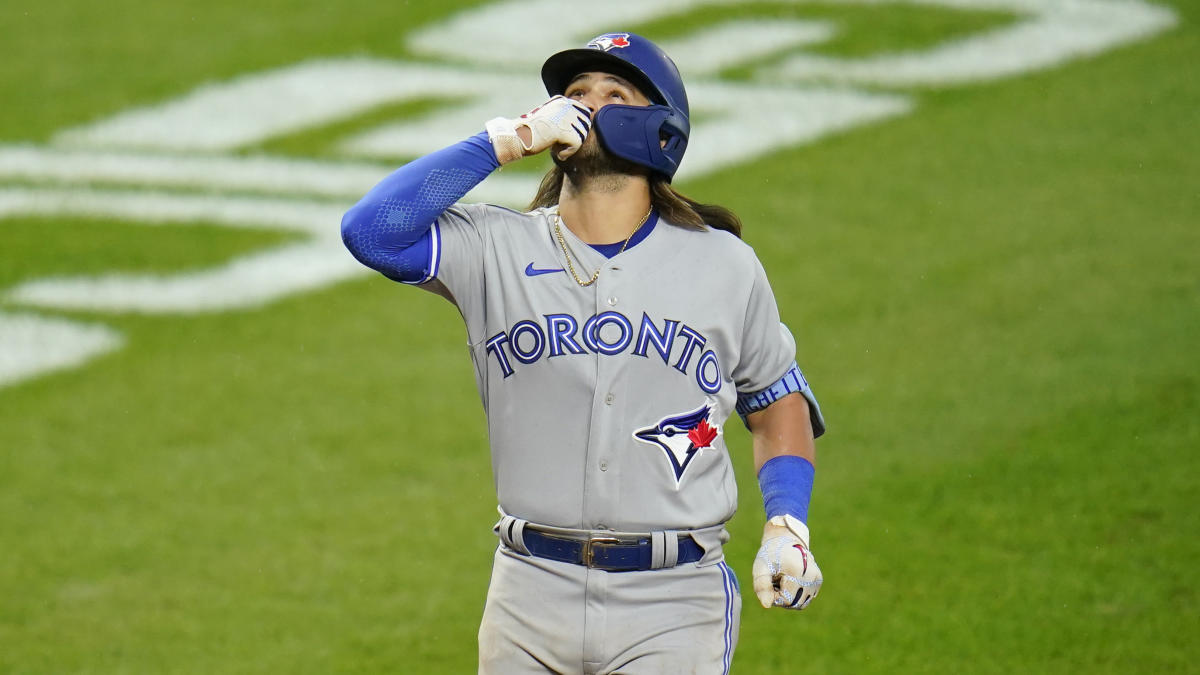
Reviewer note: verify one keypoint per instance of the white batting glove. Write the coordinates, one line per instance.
(785, 571)
(559, 121)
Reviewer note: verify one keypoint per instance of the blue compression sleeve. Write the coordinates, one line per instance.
(388, 229)
(786, 482)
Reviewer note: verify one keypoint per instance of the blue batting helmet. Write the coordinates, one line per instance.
(653, 136)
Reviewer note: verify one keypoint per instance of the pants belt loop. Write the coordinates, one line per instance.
(512, 532)
(664, 549)
(518, 536)
(658, 548)
(671, 548)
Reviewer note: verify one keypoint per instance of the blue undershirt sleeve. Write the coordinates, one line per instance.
(388, 230)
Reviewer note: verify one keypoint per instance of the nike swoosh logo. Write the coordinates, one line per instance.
(531, 271)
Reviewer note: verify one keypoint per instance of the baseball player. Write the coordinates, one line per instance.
(614, 328)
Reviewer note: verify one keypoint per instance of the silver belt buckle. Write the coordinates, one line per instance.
(589, 552)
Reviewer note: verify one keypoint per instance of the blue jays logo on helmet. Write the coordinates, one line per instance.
(653, 136)
(609, 41)
(681, 437)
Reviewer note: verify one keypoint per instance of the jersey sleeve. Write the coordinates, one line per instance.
(768, 348)
(458, 240)
(767, 370)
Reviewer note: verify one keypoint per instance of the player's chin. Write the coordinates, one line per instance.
(587, 151)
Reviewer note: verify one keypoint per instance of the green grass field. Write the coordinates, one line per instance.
(997, 298)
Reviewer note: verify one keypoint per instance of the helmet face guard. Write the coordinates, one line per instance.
(653, 136)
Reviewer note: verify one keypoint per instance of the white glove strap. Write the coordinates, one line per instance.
(793, 525)
(502, 132)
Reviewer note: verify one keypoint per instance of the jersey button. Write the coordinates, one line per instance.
(609, 399)
(612, 301)
(603, 465)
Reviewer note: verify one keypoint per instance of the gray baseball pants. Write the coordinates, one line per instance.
(544, 616)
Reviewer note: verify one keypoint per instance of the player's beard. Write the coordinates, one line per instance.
(593, 166)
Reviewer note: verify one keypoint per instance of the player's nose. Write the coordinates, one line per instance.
(592, 102)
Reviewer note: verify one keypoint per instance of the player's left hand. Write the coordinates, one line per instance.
(785, 571)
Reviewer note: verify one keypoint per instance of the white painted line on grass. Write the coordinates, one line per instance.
(347, 181)
(734, 43)
(1050, 33)
(245, 281)
(154, 208)
(258, 106)
(32, 345)
(1058, 32)
(779, 119)
(278, 175)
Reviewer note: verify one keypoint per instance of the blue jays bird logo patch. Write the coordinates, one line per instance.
(610, 40)
(681, 437)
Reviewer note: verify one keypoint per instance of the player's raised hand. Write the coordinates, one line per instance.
(785, 571)
(557, 122)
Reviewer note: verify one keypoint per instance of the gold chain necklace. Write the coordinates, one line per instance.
(567, 252)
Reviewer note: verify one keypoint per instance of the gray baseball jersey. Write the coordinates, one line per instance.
(606, 404)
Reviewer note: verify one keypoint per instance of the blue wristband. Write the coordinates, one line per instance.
(786, 482)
